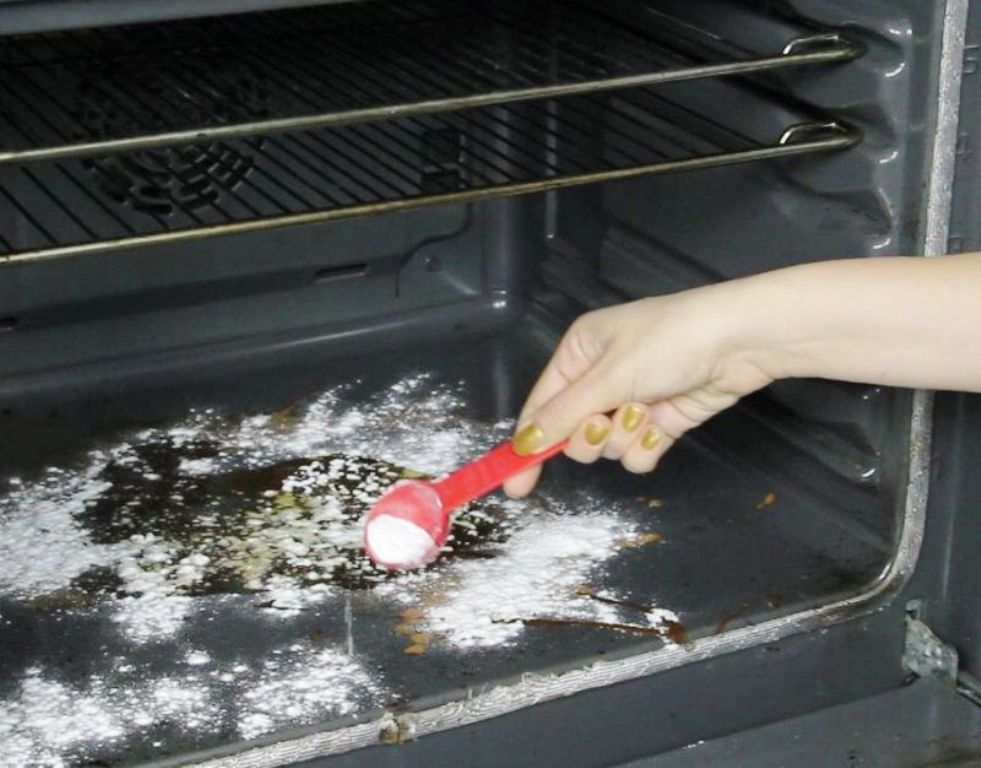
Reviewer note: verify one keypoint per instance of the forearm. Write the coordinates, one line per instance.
(908, 322)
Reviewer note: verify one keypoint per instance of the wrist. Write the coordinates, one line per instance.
(764, 330)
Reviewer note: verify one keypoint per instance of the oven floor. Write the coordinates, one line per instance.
(102, 664)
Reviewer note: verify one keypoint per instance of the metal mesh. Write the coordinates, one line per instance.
(113, 138)
(54, 209)
(71, 93)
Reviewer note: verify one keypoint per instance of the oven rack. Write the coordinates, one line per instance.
(77, 206)
(75, 93)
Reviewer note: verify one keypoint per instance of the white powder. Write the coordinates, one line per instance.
(197, 467)
(661, 618)
(47, 719)
(45, 545)
(42, 547)
(397, 543)
(289, 596)
(298, 682)
(481, 604)
(197, 658)
(152, 616)
(50, 723)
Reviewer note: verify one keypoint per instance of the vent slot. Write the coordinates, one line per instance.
(344, 272)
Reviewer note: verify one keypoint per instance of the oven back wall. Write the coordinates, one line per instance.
(92, 310)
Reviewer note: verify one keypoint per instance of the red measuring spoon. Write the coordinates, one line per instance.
(407, 527)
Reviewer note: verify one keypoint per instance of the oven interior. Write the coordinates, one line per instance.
(352, 233)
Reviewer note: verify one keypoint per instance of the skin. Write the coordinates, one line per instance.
(665, 365)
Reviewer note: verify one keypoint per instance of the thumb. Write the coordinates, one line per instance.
(558, 418)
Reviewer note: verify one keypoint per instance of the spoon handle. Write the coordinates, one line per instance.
(488, 473)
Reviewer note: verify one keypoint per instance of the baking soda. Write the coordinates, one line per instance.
(53, 724)
(482, 604)
(299, 681)
(288, 547)
(399, 543)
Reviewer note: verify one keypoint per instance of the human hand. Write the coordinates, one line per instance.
(668, 364)
(661, 365)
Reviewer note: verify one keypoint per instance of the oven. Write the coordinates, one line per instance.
(258, 261)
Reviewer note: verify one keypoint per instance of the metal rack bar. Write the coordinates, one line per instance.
(383, 166)
(467, 58)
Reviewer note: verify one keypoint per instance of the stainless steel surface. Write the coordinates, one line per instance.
(763, 558)
(917, 726)
(944, 150)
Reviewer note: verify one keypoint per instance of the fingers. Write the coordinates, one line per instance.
(585, 446)
(521, 485)
(586, 443)
(575, 383)
(665, 424)
(628, 422)
(575, 355)
(641, 434)
(562, 369)
(647, 450)
(594, 392)
(637, 435)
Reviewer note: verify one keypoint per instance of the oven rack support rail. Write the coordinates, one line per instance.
(75, 207)
(65, 95)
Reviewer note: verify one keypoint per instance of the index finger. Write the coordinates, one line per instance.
(551, 381)
(565, 366)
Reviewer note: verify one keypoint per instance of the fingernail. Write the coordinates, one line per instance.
(528, 440)
(633, 415)
(650, 439)
(596, 433)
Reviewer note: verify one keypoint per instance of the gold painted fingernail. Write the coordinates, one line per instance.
(633, 415)
(596, 433)
(650, 439)
(528, 440)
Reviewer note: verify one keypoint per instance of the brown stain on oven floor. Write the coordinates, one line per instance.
(217, 515)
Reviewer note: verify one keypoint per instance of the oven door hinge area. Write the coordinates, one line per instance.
(926, 655)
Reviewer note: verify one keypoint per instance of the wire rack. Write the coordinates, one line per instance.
(84, 205)
(99, 91)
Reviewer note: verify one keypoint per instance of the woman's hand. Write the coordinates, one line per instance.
(668, 364)
(661, 366)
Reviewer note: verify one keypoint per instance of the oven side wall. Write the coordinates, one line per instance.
(846, 444)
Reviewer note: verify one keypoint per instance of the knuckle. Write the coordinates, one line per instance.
(576, 332)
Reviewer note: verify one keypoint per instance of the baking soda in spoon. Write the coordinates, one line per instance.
(408, 526)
